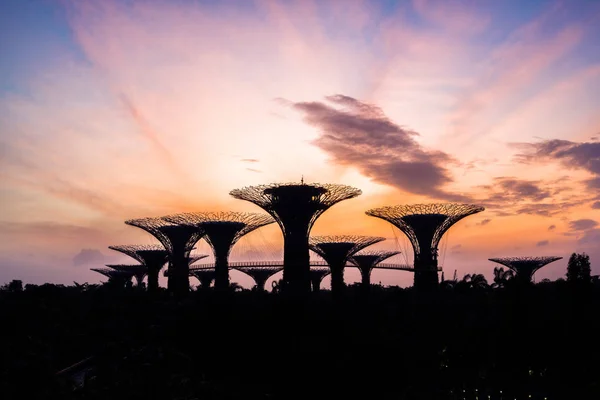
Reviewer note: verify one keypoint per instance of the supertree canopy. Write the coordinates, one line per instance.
(525, 267)
(367, 260)
(316, 277)
(296, 207)
(337, 250)
(221, 230)
(179, 240)
(424, 225)
(115, 277)
(139, 271)
(152, 256)
(195, 257)
(260, 274)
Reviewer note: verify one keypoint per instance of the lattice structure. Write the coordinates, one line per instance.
(205, 276)
(179, 240)
(260, 274)
(221, 230)
(316, 277)
(296, 207)
(366, 261)
(139, 271)
(153, 256)
(424, 225)
(196, 257)
(525, 267)
(337, 250)
(117, 278)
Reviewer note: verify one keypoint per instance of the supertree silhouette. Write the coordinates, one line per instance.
(296, 207)
(179, 240)
(115, 277)
(366, 261)
(525, 267)
(337, 250)
(316, 277)
(195, 257)
(424, 225)
(260, 274)
(152, 256)
(204, 275)
(139, 271)
(221, 230)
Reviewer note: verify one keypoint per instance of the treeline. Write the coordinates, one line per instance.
(463, 341)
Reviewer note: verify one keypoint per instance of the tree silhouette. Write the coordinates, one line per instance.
(579, 269)
(502, 276)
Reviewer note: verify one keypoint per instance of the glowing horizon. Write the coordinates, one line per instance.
(112, 110)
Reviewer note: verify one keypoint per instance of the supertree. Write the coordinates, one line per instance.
(178, 240)
(152, 256)
(366, 261)
(316, 277)
(116, 278)
(525, 267)
(424, 225)
(139, 271)
(337, 250)
(296, 207)
(260, 274)
(221, 230)
(204, 275)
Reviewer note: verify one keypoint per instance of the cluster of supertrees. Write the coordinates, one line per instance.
(295, 207)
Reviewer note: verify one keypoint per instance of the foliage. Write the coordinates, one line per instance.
(579, 269)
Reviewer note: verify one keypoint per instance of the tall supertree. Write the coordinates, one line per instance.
(316, 277)
(337, 250)
(139, 271)
(221, 230)
(179, 240)
(296, 207)
(424, 225)
(525, 267)
(260, 274)
(115, 277)
(154, 257)
(366, 261)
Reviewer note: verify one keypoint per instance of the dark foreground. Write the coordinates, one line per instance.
(453, 344)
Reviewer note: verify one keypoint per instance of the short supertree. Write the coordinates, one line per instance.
(424, 225)
(367, 260)
(296, 207)
(179, 240)
(260, 274)
(337, 250)
(115, 278)
(316, 277)
(221, 230)
(139, 271)
(525, 267)
(154, 257)
(204, 275)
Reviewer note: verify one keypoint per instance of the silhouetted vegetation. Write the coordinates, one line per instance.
(579, 269)
(466, 340)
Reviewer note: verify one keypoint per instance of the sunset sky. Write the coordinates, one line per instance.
(111, 110)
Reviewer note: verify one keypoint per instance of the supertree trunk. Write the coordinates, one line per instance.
(179, 280)
(153, 279)
(316, 284)
(337, 278)
(221, 272)
(296, 272)
(260, 282)
(365, 274)
(426, 275)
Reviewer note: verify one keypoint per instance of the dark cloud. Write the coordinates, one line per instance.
(360, 134)
(88, 256)
(552, 227)
(513, 189)
(254, 170)
(484, 222)
(582, 224)
(584, 155)
(596, 205)
(591, 238)
(456, 247)
(249, 160)
(542, 243)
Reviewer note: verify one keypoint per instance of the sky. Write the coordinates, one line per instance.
(111, 110)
